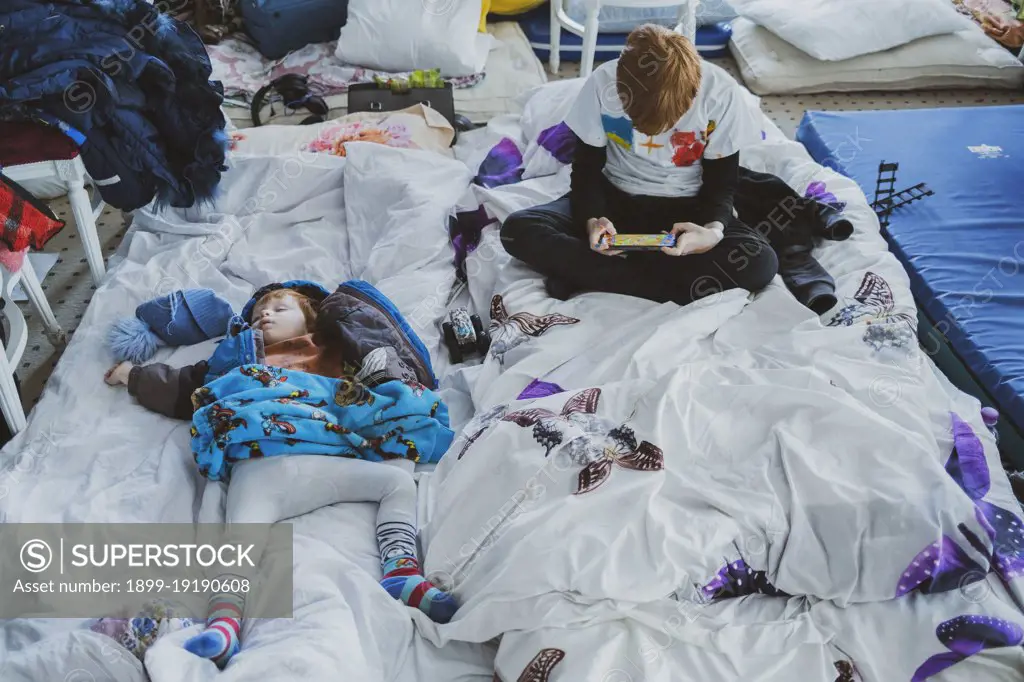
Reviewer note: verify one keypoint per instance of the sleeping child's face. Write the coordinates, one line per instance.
(283, 315)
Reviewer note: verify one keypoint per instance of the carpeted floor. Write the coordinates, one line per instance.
(69, 286)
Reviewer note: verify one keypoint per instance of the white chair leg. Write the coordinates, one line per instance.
(590, 29)
(554, 56)
(10, 402)
(688, 20)
(36, 295)
(85, 222)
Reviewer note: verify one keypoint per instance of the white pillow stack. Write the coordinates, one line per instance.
(403, 35)
(836, 30)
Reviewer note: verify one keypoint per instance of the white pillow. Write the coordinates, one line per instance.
(833, 30)
(403, 35)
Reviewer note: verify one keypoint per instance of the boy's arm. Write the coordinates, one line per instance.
(586, 196)
(165, 389)
(718, 190)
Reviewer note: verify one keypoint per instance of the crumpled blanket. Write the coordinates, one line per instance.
(265, 411)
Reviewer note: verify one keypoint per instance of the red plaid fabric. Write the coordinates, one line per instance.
(25, 220)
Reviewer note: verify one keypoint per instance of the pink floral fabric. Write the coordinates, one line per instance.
(332, 139)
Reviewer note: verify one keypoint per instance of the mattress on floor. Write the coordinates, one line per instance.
(712, 40)
(966, 59)
(963, 247)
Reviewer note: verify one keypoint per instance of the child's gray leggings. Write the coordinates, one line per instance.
(272, 489)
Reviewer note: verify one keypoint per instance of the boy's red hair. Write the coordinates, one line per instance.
(658, 76)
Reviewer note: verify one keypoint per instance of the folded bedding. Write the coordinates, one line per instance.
(965, 59)
(732, 489)
(834, 31)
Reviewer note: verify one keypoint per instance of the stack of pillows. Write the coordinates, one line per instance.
(387, 35)
(836, 30)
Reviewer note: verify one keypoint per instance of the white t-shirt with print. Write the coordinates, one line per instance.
(722, 120)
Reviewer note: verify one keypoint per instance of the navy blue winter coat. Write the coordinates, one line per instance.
(135, 81)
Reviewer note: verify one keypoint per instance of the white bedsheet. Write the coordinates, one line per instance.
(92, 454)
(796, 447)
(814, 454)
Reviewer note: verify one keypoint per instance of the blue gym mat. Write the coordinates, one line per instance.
(963, 247)
(712, 40)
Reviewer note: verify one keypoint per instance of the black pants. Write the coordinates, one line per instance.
(552, 241)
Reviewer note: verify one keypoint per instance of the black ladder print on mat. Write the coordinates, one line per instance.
(888, 199)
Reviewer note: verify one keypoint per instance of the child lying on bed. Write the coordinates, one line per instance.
(283, 383)
(658, 134)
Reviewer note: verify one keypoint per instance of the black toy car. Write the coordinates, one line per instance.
(464, 334)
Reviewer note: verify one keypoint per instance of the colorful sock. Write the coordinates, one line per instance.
(404, 581)
(220, 640)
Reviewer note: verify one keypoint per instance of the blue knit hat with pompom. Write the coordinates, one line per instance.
(181, 318)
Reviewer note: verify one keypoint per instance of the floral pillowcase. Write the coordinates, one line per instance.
(417, 127)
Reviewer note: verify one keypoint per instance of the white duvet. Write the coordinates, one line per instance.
(741, 438)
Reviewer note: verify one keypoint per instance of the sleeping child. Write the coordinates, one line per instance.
(311, 399)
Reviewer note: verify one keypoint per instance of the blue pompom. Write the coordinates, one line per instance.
(131, 339)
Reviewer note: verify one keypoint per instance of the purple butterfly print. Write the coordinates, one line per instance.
(969, 468)
(479, 425)
(547, 425)
(736, 579)
(966, 464)
(502, 166)
(560, 141)
(465, 229)
(539, 669)
(600, 445)
(1006, 531)
(819, 192)
(945, 565)
(940, 567)
(844, 670)
(876, 306)
(508, 331)
(539, 389)
(618, 446)
(966, 636)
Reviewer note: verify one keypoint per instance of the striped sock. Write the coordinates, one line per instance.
(404, 581)
(220, 640)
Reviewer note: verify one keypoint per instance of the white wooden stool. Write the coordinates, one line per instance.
(588, 31)
(17, 339)
(33, 151)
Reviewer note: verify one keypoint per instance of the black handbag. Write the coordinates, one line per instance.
(372, 97)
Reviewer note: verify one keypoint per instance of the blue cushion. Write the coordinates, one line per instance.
(712, 40)
(625, 19)
(279, 26)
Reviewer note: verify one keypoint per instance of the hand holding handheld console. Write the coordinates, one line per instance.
(638, 242)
